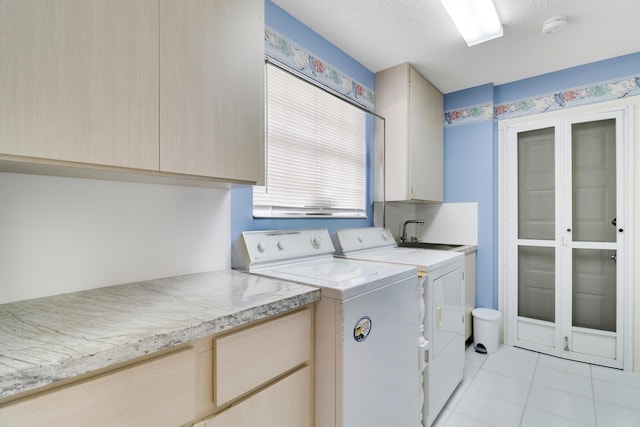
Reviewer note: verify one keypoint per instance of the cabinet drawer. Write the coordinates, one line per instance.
(286, 403)
(158, 392)
(254, 356)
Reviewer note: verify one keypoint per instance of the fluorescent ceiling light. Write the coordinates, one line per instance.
(477, 20)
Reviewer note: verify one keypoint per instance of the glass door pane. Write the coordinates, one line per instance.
(594, 181)
(536, 184)
(537, 283)
(594, 220)
(594, 289)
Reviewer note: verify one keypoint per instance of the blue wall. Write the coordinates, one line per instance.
(470, 168)
(242, 198)
(469, 165)
(470, 150)
(471, 154)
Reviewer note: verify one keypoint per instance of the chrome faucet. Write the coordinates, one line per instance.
(403, 238)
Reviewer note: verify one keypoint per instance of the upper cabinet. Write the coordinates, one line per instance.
(212, 88)
(171, 88)
(413, 152)
(79, 81)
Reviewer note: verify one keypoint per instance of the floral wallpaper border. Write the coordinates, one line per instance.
(598, 92)
(473, 114)
(284, 50)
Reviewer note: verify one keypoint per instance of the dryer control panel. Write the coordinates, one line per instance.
(257, 248)
(357, 239)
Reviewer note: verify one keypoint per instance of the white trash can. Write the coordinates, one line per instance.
(486, 330)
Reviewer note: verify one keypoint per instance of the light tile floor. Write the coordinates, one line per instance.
(521, 388)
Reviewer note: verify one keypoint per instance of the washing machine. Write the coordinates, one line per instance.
(441, 285)
(366, 328)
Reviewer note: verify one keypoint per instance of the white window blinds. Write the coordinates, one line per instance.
(316, 152)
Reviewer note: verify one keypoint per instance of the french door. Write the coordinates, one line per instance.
(565, 233)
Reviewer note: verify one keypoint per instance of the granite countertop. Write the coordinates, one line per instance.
(50, 339)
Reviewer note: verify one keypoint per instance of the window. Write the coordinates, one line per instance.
(316, 152)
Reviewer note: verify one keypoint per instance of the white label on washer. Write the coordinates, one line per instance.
(362, 329)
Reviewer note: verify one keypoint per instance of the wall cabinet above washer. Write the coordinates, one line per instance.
(79, 82)
(413, 153)
(158, 89)
(212, 88)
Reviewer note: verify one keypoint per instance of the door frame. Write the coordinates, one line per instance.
(626, 106)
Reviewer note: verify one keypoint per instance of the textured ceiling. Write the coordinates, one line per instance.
(382, 33)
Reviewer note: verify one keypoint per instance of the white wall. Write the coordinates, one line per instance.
(451, 223)
(61, 235)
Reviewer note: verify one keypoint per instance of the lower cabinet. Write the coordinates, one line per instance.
(258, 375)
(156, 392)
(262, 372)
(285, 403)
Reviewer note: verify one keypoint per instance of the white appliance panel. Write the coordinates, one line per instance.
(357, 239)
(377, 244)
(380, 377)
(446, 293)
(443, 322)
(339, 278)
(264, 248)
(444, 328)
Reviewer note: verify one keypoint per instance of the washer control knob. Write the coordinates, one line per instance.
(316, 241)
(262, 247)
(280, 245)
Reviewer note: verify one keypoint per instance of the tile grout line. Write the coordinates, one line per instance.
(593, 395)
(526, 402)
(463, 391)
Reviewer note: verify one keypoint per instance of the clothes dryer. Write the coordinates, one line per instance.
(441, 284)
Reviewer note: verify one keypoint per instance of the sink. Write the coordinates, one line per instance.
(424, 245)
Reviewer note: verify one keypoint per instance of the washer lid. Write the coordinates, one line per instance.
(340, 278)
(424, 259)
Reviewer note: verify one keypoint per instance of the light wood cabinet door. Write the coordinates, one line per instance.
(413, 145)
(283, 404)
(241, 363)
(250, 358)
(426, 139)
(212, 88)
(159, 392)
(79, 81)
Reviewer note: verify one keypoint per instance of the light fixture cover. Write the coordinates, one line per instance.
(477, 20)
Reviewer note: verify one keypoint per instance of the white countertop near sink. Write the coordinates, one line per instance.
(46, 340)
(466, 249)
